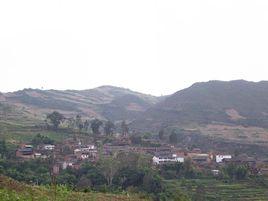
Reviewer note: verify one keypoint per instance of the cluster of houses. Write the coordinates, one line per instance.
(213, 161)
(195, 155)
(27, 151)
(77, 153)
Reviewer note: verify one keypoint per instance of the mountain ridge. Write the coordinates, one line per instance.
(91, 102)
(234, 102)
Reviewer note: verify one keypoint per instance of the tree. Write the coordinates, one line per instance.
(173, 138)
(161, 134)
(93, 173)
(56, 119)
(95, 126)
(236, 172)
(152, 183)
(71, 123)
(109, 167)
(84, 183)
(109, 128)
(188, 169)
(3, 148)
(40, 139)
(241, 172)
(136, 139)
(79, 123)
(124, 128)
(129, 176)
(147, 135)
(86, 125)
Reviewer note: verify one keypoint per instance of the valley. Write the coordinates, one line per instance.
(113, 140)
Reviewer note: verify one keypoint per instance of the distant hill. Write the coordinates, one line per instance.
(235, 111)
(2, 97)
(235, 102)
(103, 102)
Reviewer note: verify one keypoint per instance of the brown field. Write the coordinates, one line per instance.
(242, 134)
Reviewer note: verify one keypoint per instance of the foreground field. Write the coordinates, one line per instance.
(214, 190)
(11, 190)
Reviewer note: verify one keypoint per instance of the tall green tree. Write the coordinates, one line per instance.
(95, 126)
(56, 119)
(109, 128)
(173, 138)
(109, 166)
(161, 134)
(86, 125)
(3, 148)
(124, 128)
(79, 123)
(136, 139)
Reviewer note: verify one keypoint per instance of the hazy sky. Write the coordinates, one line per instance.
(156, 47)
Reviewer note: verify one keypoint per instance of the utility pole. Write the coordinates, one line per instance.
(54, 170)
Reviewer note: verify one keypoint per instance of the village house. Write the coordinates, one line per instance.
(263, 171)
(86, 152)
(85, 149)
(49, 147)
(200, 158)
(158, 160)
(66, 164)
(121, 141)
(69, 161)
(110, 149)
(242, 159)
(163, 150)
(196, 151)
(37, 155)
(215, 172)
(25, 151)
(220, 158)
(84, 156)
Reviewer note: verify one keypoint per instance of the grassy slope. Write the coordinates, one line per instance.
(214, 190)
(16, 133)
(11, 190)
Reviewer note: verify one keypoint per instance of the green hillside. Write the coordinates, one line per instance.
(236, 102)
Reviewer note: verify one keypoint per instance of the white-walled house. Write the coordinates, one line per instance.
(161, 160)
(215, 172)
(66, 164)
(84, 156)
(220, 158)
(49, 147)
(85, 149)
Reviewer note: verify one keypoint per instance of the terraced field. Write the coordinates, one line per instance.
(214, 190)
(16, 133)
